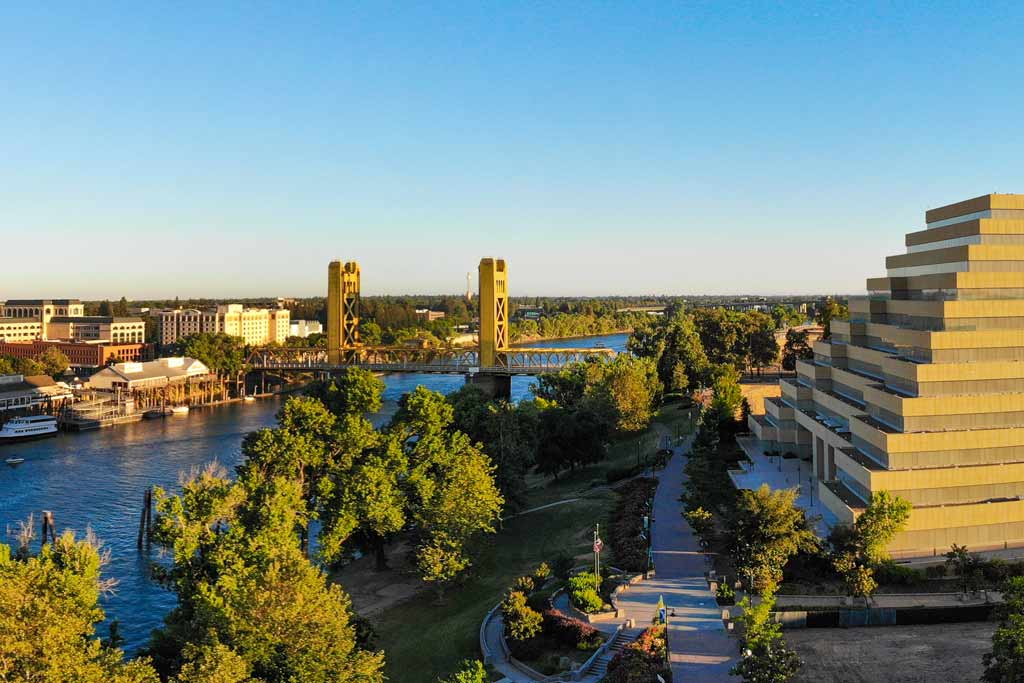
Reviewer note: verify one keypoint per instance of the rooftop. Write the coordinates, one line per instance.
(103, 319)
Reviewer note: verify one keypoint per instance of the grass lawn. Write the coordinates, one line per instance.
(424, 640)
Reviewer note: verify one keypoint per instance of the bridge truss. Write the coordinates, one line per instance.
(460, 360)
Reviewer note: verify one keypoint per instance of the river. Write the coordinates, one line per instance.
(96, 479)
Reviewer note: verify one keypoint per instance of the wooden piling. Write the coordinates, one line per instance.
(143, 517)
(48, 527)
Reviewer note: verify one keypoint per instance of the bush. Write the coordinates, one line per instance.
(540, 600)
(725, 595)
(641, 660)
(541, 574)
(521, 622)
(524, 584)
(619, 473)
(583, 593)
(995, 570)
(528, 649)
(563, 565)
(629, 549)
(570, 632)
(935, 571)
(891, 574)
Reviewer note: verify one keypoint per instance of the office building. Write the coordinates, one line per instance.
(257, 326)
(921, 391)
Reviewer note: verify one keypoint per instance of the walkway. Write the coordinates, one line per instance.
(702, 650)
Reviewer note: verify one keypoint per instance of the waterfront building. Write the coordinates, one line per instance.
(257, 326)
(25, 394)
(427, 315)
(921, 391)
(151, 374)
(304, 328)
(81, 354)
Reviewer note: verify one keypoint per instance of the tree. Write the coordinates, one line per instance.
(797, 347)
(47, 627)
(54, 362)
(766, 530)
(630, 389)
(105, 308)
(727, 397)
(521, 621)
(884, 517)
(965, 565)
(764, 350)
(769, 663)
(675, 346)
(786, 316)
(1005, 662)
(242, 581)
(120, 309)
(6, 366)
(471, 671)
(222, 353)
(370, 333)
(214, 663)
(827, 312)
(858, 577)
(352, 391)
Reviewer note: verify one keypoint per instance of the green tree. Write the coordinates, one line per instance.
(370, 333)
(827, 312)
(222, 353)
(727, 396)
(352, 391)
(764, 350)
(884, 517)
(471, 671)
(858, 576)
(766, 530)
(242, 581)
(51, 608)
(797, 347)
(965, 565)
(521, 621)
(105, 308)
(786, 316)
(120, 309)
(630, 389)
(54, 362)
(1005, 662)
(215, 663)
(6, 366)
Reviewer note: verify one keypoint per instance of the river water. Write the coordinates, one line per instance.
(96, 479)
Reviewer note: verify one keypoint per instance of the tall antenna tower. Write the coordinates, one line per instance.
(469, 286)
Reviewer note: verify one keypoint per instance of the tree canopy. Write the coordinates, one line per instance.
(222, 353)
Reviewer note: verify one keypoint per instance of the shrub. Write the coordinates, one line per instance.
(891, 574)
(540, 600)
(471, 671)
(995, 570)
(725, 594)
(619, 473)
(521, 622)
(935, 571)
(628, 546)
(570, 632)
(563, 565)
(583, 593)
(541, 574)
(528, 649)
(641, 660)
(524, 584)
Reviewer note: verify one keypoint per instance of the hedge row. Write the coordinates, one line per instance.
(629, 548)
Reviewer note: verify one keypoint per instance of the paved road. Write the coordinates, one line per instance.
(702, 650)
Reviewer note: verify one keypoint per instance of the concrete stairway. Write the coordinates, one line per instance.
(600, 667)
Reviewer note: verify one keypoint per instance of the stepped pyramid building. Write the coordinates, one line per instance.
(921, 392)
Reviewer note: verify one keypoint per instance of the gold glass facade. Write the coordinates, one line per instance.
(921, 391)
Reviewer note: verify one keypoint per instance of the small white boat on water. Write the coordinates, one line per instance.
(179, 410)
(14, 461)
(248, 399)
(28, 428)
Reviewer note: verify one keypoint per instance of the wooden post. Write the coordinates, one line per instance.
(149, 514)
(142, 518)
(48, 526)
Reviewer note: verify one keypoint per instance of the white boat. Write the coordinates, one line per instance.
(14, 461)
(179, 410)
(248, 399)
(28, 428)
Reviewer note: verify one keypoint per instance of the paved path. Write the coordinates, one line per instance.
(702, 650)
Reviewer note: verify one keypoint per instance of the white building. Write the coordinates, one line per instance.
(18, 392)
(157, 373)
(257, 326)
(304, 328)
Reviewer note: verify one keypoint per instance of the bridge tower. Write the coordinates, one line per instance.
(342, 309)
(493, 310)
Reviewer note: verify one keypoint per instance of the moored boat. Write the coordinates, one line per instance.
(14, 461)
(28, 428)
(179, 410)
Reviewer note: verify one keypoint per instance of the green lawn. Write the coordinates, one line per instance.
(423, 640)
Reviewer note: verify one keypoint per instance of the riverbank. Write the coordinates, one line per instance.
(525, 341)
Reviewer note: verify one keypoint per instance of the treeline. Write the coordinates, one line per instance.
(51, 361)
(561, 325)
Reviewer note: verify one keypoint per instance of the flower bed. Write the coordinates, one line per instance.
(642, 660)
(628, 546)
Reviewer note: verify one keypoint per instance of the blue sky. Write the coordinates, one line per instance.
(163, 149)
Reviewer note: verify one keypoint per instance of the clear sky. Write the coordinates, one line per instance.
(159, 149)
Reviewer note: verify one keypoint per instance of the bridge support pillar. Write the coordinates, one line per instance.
(495, 385)
(342, 308)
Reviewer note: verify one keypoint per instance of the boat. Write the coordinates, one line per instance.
(157, 412)
(179, 410)
(14, 461)
(248, 399)
(28, 428)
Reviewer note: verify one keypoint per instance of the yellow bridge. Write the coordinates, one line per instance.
(491, 363)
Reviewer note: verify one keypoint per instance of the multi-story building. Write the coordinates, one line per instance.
(428, 315)
(921, 392)
(97, 328)
(80, 354)
(304, 328)
(28, 319)
(257, 326)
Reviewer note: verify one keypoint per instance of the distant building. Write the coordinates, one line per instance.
(304, 328)
(257, 326)
(98, 328)
(28, 319)
(18, 392)
(157, 373)
(529, 313)
(81, 354)
(428, 315)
